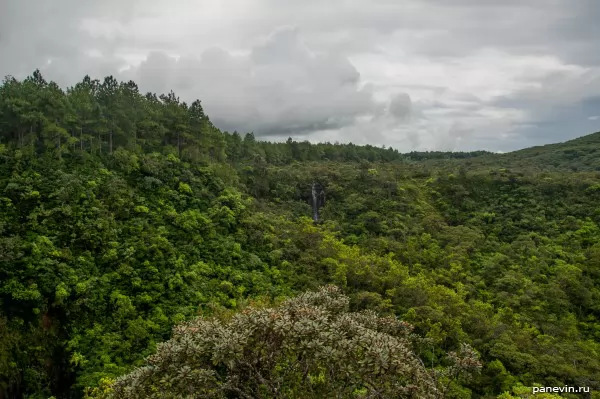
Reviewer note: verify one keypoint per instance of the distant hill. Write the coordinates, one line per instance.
(579, 155)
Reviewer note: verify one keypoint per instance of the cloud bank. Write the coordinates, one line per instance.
(424, 75)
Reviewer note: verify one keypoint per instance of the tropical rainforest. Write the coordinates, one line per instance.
(145, 252)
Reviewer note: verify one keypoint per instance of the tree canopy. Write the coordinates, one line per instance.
(126, 216)
(307, 347)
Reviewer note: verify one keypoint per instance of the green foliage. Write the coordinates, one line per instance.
(123, 215)
(307, 347)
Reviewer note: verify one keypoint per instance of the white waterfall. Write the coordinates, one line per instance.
(315, 203)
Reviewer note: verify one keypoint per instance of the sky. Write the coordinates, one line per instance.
(445, 75)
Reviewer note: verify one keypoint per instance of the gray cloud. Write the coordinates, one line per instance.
(49, 35)
(281, 87)
(401, 106)
(457, 133)
(420, 74)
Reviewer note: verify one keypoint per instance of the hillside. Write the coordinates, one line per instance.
(580, 154)
(124, 215)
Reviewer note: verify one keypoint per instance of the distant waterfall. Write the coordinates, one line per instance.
(317, 199)
(315, 203)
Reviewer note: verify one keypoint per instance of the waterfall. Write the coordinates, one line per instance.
(317, 200)
(315, 203)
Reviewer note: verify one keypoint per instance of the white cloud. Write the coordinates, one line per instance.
(279, 87)
(420, 74)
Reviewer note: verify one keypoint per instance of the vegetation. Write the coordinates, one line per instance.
(124, 215)
(308, 347)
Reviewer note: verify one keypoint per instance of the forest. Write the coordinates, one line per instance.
(135, 237)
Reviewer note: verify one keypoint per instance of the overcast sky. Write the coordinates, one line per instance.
(413, 74)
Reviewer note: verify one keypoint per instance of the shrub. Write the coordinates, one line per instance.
(310, 346)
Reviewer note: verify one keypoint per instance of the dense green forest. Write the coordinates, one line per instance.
(124, 216)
